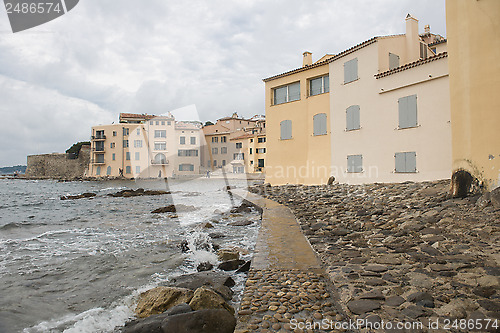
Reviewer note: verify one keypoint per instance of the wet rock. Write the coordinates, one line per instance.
(245, 267)
(231, 265)
(228, 254)
(245, 207)
(134, 193)
(167, 209)
(202, 321)
(152, 324)
(362, 306)
(218, 281)
(495, 197)
(206, 298)
(159, 299)
(240, 223)
(204, 266)
(79, 196)
(184, 246)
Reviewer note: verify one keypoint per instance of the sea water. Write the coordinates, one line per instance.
(79, 265)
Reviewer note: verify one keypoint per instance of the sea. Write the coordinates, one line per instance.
(79, 265)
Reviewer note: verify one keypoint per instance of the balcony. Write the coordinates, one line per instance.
(159, 162)
(100, 137)
(97, 162)
(98, 149)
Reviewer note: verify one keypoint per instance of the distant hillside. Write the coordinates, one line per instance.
(13, 169)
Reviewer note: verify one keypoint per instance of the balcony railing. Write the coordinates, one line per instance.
(98, 149)
(99, 137)
(161, 162)
(97, 162)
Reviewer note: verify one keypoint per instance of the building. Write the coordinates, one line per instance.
(220, 152)
(252, 147)
(474, 47)
(145, 146)
(377, 112)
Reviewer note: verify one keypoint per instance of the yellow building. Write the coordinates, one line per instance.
(145, 146)
(298, 131)
(252, 147)
(473, 29)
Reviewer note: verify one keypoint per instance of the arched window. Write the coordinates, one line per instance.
(98, 171)
(160, 159)
(108, 171)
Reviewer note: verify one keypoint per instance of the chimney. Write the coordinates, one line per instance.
(412, 39)
(427, 28)
(307, 61)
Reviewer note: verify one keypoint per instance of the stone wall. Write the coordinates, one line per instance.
(58, 166)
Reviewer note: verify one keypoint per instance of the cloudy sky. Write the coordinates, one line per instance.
(107, 56)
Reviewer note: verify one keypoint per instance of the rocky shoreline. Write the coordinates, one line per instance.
(404, 252)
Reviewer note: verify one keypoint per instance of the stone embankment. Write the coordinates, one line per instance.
(400, 252)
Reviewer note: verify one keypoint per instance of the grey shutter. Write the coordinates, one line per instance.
(315, 86)
(286, 129)
(355, 163)
(319, 124)
(294, 92)
(348, 120)
(326, 83)
(352, 118)
(393, 61)
(412, 110)
(351, 70)
(411, 161)
(280, 95)
(400, 162)
(403, 107)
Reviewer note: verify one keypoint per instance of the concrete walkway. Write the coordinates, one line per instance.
(287, 290)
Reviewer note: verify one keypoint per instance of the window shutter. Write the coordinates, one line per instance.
(412, 110)
(286, 129)
(326, 83)
(351, 70)
(403, 107)
(393, 61)
(319, 124)
(348, 120)
(411, 161)
(355, 163)
(352, 118)
(400, 162)
(294, 92)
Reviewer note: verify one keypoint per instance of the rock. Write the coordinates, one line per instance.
(245, 267)
(231, 265)
(495, 197)
(167, 209)
(422, 299)
(420, 280)
(340, 232)
(485, 292)
(208, 225)
(184, 246)
(218, 281)
(159, 299)
(457, 308)
(483, 201)
(245, 207)
(79, 196)
(488, 281)
(204, 266)
(330, 181)
(489, 305)
(206, 298)
(134, 193)
(228, 254)
(240, 223)
(202, 321)
(362, 306)
(413, 311)
(376, 268)
(394, 301)
(374, 294)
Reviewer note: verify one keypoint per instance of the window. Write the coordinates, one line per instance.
(128, 169)
(193, 140)
(351, 70)
(239, 145)
(238, 156)
(160, 159)
(108, 171)
(215, 139)
(352, 118)
(112, 145)
(137, 156)
(169, 123)
(125, 143)
(182, 140)
(286, 130)
(319, 85)
(160, 146)
(151, 122)
(160, 133)
(137, 143)
(287, 93)
(215, 163)
(138, 131)
(319, 124)
(261, 140)
(163, 122)
(127, 156)
(261, 150)
(393, 61)
(113, 157)
(114, 133)
(223, 150)
(423, 50)
(251, 140)
(125, 131)
(137, 169)
(99, 146)
(98, 171)
(261, 163)
(223, 139)
(100, 158)
(100, 135)
(251, 151)
(355, 163)
(186, 167)
(406, 162)
(187, 152)
(223, 162)
(407, 111)
(215, 151)
(157, 122)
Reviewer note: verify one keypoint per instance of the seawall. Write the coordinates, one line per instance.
(58, 166)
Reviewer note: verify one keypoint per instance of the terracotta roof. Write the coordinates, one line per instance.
(327, 61)
(245, 136)
(137, 116)
(411, 65)
(438, 42)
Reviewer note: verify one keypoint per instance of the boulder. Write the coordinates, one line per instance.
(204, 266)
(167, 209)
(152, 324)
(218, 281)
(245, 267)
(228, 254)
(79, 196)
(206, 298)
(240, 223)
(159, 299)
(362, 306)
(495, 197)
(422, 299)
(231, 265)
(202, 321)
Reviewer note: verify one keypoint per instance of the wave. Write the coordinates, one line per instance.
(14, 225)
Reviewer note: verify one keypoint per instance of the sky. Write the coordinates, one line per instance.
(104, 57)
